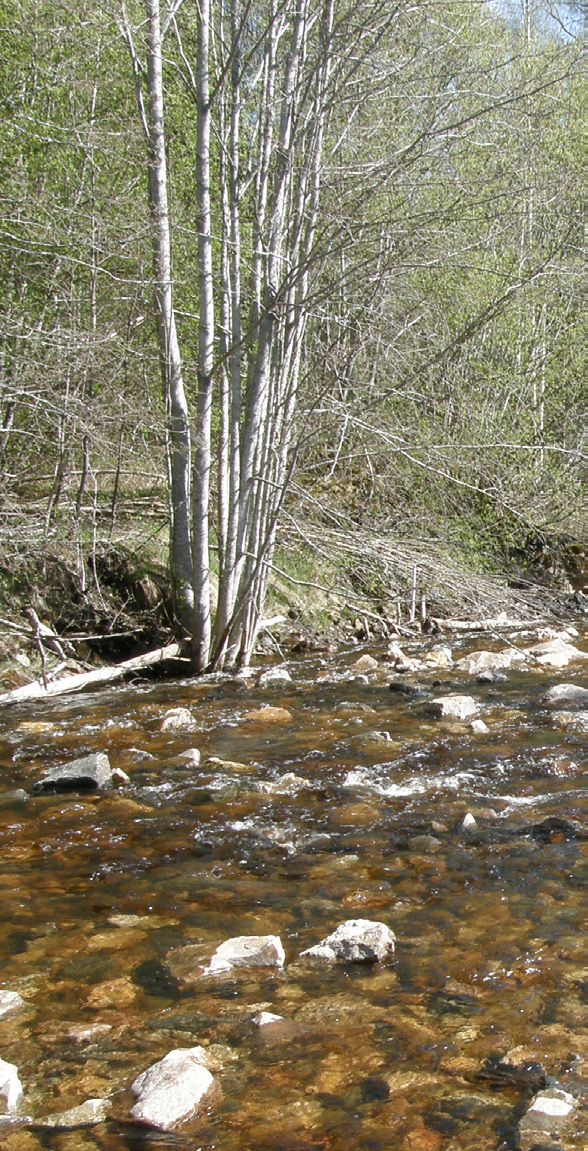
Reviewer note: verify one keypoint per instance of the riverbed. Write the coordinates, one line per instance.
(349, 806)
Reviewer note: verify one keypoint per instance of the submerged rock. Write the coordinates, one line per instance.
(269, 715)
(248, 951)
(365, 663)
(454, 706)
(90, 773)
(87, 1114)
(569, 696)
(171, 1091)
(266, 1017)
(10, 1085)
(355, 941)
(547, 1117)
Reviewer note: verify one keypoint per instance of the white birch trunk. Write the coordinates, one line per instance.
(171, 364)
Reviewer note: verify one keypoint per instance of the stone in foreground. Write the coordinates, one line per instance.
(171, 1091)
(90, 773)
(10, 1085)
(247, 951)
(355, 941)
(566, 695)
(547, 1118)
(454, 706)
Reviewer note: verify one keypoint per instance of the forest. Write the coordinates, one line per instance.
(289, 302)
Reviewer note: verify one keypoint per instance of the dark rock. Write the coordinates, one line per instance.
(90, 773)
(552, 830)
(403, 688)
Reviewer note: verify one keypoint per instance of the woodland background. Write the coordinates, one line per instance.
(436, 419)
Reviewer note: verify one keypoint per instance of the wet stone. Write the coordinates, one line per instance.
(171, 1091)
(274, 676)
(178, 719)
(355, 941)
(90, 773)
(87, 1114)
(548, 1117)
(453, 706)
(570, 696)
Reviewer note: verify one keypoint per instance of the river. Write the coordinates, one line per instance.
(98, 889)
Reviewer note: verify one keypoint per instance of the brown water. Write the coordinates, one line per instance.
(96, 890)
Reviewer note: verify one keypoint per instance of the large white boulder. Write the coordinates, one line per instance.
(171, 1091)
(355, 941)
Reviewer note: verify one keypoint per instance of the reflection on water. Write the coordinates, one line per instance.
(352, 809)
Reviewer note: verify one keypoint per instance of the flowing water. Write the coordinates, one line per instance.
(97, 889)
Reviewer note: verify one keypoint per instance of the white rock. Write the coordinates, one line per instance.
(120, 776)
(454, 706)
(468, 820)
(274, 675)
(355, 941)
(566, 695)
(266, 1017)
(190, 757)
(10, 1084)
(169, 1092)
(287, 784)
(546, 1118)
(480, 661)
(440, 657)
(247, 951)
(555, 653)
(178, 719)
(10, 1001)
(479, 727)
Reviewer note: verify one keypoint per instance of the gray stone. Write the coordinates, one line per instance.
(555, 653)
(171, 1091)
(274, 676)
(87, 1114)
(178, 719)
(10, 1085)
(191, 757)
(485, 661)
(547, 1117)
(265, 1017)
(424, 843)
(90, 773)
(247, 951)
(355, 941)
(454, 706)
(569, 696)
(10, 1001)
(479, 727)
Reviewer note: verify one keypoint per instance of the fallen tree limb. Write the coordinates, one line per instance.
(38, 690)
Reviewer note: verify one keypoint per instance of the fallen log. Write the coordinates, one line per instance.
(39, 690)
(497, 623)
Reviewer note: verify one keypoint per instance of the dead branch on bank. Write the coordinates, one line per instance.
(40, 690)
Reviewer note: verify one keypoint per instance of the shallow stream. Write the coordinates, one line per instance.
(98, 888)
